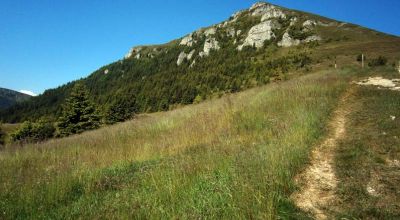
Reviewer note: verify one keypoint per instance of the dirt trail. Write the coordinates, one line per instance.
(318, 181)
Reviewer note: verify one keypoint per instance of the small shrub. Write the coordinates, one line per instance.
(33, 132)
(380, 61)
(2, 136)
(359, 57)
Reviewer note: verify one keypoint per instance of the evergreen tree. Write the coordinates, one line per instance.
(79, 113)
(119, 111)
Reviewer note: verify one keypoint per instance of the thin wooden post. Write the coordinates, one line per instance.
(362, 60)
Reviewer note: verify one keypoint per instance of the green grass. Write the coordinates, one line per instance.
(372, 140)
(229, 158)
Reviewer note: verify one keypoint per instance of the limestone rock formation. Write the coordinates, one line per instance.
(210, 44)
(272, 12)
(182, 56)
(210, 31)
(288, 41)
(132, 51)
(309, 23)
(230, 32)
(188, 40)
(312, 38)
(259, 33)
(190, 55)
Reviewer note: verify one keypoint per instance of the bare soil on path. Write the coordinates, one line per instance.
(318, 181)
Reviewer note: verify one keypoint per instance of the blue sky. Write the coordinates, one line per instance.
(46, 43)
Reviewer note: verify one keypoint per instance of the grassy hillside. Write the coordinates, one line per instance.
(233, 157)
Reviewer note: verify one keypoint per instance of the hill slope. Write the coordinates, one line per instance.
(9, 97)
(253, 47)
(228, 158)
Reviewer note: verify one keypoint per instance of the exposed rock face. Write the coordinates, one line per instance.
(210, 44)
(210, 31)
(309, 23)
(193, 63)
(188, 40)
(259, 33)
(272, 12)
(258, 8)
(288, 41)
(293, 21)
(190, 55)
(236, 15)
(132, 51)
(137, 56)
(182, 56)
(231, 32)
(312, 38)
(106, 71)
(267, 11)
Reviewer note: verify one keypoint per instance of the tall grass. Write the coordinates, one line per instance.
(234, 157)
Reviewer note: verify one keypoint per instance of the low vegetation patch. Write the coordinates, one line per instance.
(367, 159)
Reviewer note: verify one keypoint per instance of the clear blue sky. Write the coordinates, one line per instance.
(46, 43)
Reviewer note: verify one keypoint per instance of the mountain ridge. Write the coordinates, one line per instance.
(254, 46)
(10, 97)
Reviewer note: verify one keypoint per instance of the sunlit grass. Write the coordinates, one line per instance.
(234, 157)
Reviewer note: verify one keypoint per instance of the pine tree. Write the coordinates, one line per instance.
(119, 111)
(79, 113)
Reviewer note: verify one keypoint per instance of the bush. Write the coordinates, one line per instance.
(2, 136)
(359, 57)
(33, 132)
(380, 61)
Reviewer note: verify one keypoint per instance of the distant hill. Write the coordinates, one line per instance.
(10, 97)
(253, 47)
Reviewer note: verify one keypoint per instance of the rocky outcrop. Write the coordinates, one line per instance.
(188, 40)
(184, 56)
(236, 16)
(106, 72)
(230, 32)
(190, 55)
(133, 51)
(259, 33)
(288, 41)
(312, 38)
(267, 11)
(293, 21)
(272, 12)
(210, 44)
(210, 31)
(309, 23)
(193, 63)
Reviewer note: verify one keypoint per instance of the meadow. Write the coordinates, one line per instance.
(228, 158)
